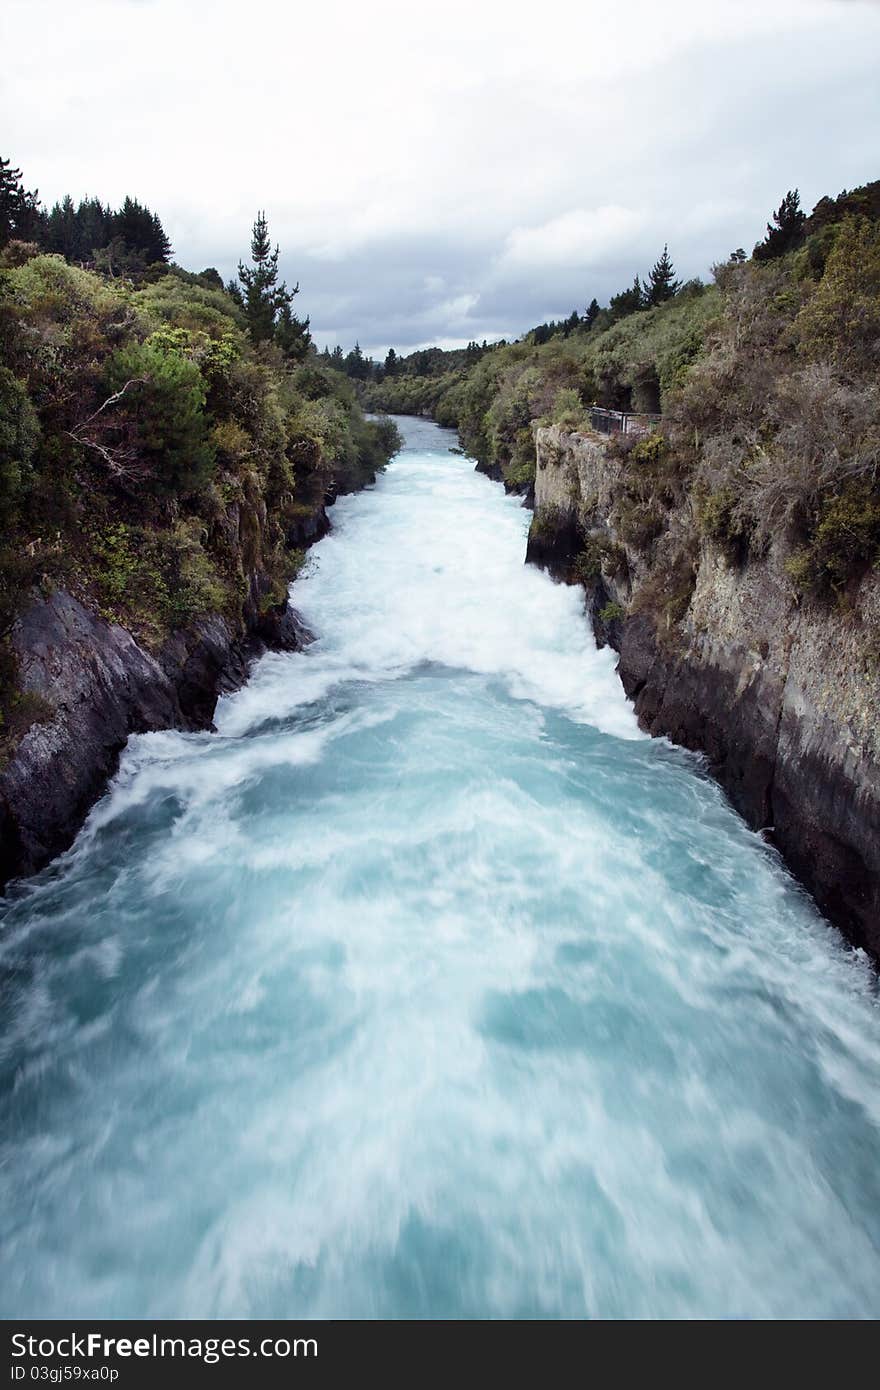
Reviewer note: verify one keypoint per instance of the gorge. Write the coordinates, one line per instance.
(428, 985)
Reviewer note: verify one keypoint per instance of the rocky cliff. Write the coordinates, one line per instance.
(718, 652)
(96, 684)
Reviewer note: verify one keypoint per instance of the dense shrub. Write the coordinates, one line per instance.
(840, 323)
(156, 431)
(151, 457)
(19, 436)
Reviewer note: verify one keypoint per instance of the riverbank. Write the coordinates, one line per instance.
(95, 684)
(720, 653)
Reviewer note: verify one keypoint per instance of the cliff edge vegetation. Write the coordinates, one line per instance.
(167, 447)
(164, 451)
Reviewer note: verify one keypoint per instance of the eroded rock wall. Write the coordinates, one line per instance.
(720, 655)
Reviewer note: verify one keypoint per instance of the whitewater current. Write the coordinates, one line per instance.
(428, 986)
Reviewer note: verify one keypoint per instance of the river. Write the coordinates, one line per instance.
(428, 986)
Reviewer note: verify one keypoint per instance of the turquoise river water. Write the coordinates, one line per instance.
(428, 986)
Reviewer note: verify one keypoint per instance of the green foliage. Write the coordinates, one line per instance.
(267, 303)
(587, 565)
(662, 284)
(785, 232)
(151, 456)
(627, 301)
(840, 322)
(719, 518)
(650, 449)
(568, 409)
(19, 216)
(639, 523)
(159, 420)
(612, 613)
(189, 304)
(547, 521)
(19, 436)
(844, 541)
(156, 580)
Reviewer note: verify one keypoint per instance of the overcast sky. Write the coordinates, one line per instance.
(461, 170)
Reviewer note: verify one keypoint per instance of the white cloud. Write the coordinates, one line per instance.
(578, 238)
(472, 143)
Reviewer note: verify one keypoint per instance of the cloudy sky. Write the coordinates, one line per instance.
(453, 171)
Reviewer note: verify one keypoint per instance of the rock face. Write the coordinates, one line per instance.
(101, 686)
(781, 696)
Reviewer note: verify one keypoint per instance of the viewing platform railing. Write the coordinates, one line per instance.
(622, 421)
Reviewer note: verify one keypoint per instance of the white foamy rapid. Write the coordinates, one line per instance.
(428, 987)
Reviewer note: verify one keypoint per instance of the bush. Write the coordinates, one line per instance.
(612, 613)
(568, 409)
(840, 323)
(157, 431)
(845, 540)
(156, 580)
(19, 436)
(639, 523)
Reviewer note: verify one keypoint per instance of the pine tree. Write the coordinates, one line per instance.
(592, 314)
(19, 210)
(786, 230)
(93, 228)
(291, 334)
(392, 362)
(158, 244)
(628, 301)
(355, 364)
(662, 284)
(263, 297)
(62, 228)
(141, 231)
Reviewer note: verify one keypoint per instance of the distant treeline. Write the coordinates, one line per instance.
(119, 241)
(788, 230)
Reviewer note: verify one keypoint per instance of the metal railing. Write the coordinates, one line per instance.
(622, 421)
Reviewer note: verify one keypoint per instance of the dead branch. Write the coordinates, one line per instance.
(111, 400)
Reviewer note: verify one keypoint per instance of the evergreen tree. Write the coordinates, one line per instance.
(738, 257)
(662, 284)
(62, 229)
(19, 210)
(592, 314)
(93, 228)
(291, 334)
(392, 363)
(141, 231)
(356, 364)
(158, 245)
(786, 230)
(628, 301)
(262, 295)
